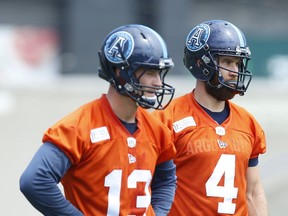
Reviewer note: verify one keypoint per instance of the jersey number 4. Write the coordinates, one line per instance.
(113, 181)
(224, 167)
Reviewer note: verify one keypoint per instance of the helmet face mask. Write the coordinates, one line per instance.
(131, 48)
(238, 86)
(210, 40)
(141, 93)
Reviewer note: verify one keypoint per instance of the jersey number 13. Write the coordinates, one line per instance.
(113, 181)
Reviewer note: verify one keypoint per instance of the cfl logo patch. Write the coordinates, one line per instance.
(131, 142)
(119, 47)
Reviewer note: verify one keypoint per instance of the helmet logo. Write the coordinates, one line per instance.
(198, 37)
(119, 47)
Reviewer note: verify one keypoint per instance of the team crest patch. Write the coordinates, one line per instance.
(198, 37)
(118, 46)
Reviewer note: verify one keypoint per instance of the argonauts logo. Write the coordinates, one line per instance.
(119, 47)
(198, 37)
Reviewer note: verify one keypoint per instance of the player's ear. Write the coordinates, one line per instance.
(117, 71)
(199, 62)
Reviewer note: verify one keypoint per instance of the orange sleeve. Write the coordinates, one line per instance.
(259, 140)
(168, 150)
(67, 139)
(162, 136)
(69, 134)
(251, 127)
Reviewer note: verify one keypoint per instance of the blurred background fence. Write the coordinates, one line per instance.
(63, 36)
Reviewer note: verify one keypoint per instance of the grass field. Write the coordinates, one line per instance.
(25, 112)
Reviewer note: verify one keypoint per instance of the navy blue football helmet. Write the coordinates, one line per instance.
(215, 38)
(129, 48)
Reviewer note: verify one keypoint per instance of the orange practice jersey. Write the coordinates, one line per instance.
(111, 169)
(211, 159)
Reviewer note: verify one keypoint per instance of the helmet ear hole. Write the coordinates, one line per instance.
(117, 71)
(199, 63)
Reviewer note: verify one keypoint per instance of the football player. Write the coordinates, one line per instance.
(218, 142)
(107, 152)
